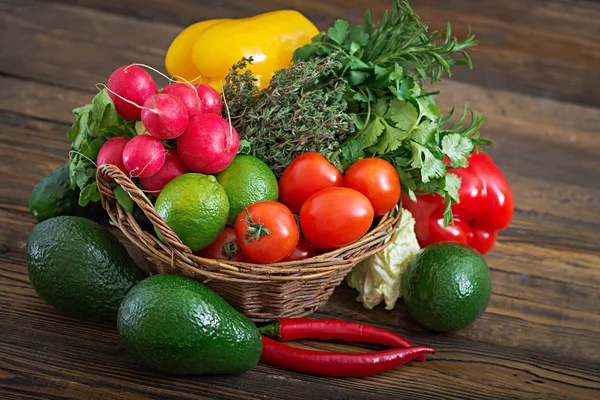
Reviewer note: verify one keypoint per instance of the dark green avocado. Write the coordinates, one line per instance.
(179, 326)
(53, 196)
(79, 267)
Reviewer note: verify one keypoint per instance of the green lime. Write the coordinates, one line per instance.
(195, 207)
(447, 286)
(246, 181)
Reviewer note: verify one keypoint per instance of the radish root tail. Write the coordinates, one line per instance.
(228, 117)
(131, 175)
(84, 156)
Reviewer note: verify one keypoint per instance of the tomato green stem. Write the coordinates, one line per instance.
(255, 229)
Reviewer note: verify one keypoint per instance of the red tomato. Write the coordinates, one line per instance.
(269, 235)
(225, 241)
(335, 217)
(303, 250)
(378, 180)
(306, 175)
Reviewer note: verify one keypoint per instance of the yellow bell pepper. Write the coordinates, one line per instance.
(205, 51)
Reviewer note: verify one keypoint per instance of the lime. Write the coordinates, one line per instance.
(447, 286)
(195, 207)
(246, 181)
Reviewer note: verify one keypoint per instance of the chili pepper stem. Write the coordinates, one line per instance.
(271, 330)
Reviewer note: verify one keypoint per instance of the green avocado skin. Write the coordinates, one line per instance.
(447, 286)
(179, 326)
(79, 267)
(53, 196)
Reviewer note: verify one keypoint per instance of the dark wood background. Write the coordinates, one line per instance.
(537, 79)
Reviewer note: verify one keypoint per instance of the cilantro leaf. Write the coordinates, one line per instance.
(391, 139)
(352, 151)
(430, 166)
(380, 107)
(372, 131)
(425, 132)
(428, 108)
(245, 147)
(451, 186)
(457, 148)
(356, 34)
(356, 77)
(305, 52)
(403, 114)
(339, 31)
(381, 72)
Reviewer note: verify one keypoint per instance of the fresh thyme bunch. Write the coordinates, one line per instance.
(302, 109)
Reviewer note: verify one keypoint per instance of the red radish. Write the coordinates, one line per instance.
(132, 83)
(172, 168)
(210, 98)
(143, 156)
(111, 152)
(188, 96)
(208, 145)
(164, 116)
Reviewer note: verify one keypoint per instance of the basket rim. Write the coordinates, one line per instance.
(181, 258)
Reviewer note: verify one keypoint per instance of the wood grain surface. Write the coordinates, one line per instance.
(536, 78)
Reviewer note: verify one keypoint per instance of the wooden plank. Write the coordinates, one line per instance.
(556, 49)
(39, 342)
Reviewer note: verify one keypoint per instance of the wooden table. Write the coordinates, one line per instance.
(537, 79)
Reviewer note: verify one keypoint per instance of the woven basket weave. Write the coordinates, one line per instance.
(260, 291)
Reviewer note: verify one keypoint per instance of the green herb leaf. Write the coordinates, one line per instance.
(380, 107)
(245, 147)
(357, 34)
(428, 108)
(425, 133)
(457, 148)
(451, 186)
(391, 139)
(403, 114)
(430, 166)
(381, 72)
(339, 31)
(352, 151)
(124, 199)
(372, 131)
(355, 78)
(89, 193)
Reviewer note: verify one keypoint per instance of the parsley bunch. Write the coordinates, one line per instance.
(385, 66)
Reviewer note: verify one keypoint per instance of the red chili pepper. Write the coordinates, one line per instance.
(337, 364)
(285, 329)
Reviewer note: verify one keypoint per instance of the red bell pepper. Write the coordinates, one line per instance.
(486, 207)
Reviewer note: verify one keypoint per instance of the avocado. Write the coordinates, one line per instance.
(179, 326)
(79, 267)
(53, 196)
(447, 286)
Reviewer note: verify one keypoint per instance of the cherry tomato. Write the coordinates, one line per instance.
(306, 175)
(378, 180)
(225, 247)
(267, 233)
(303, 250)
(335, 217)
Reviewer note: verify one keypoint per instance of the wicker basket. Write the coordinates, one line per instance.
(260, 291)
